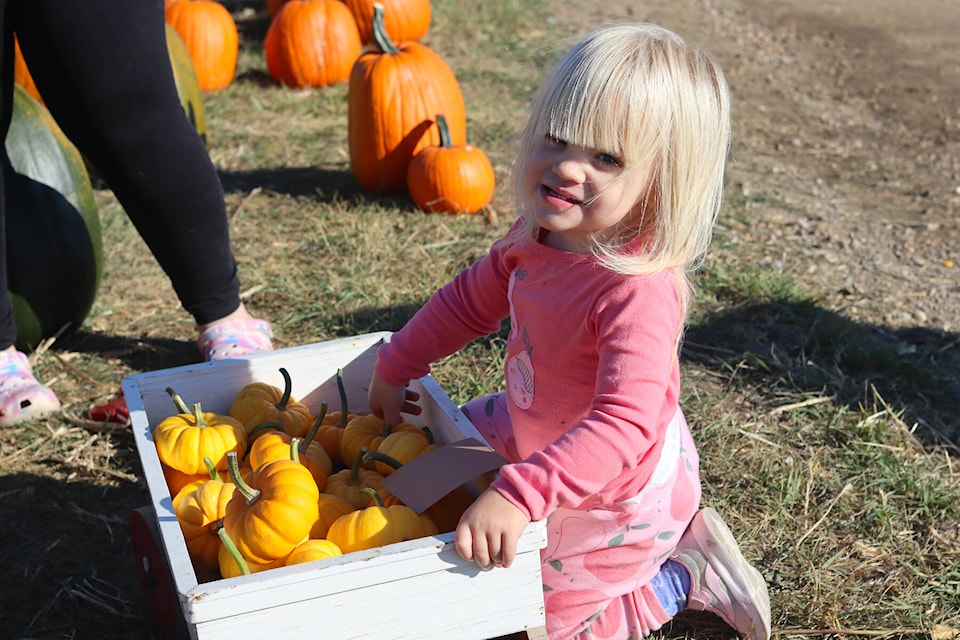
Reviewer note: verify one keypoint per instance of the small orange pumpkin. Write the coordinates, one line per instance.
(331, 429)
(273, 509)
(403, 19)
(211, 36)
(275, 444)
(379, 525)
(401, 447)
(395, 92)
(199, 513)
(185, 439)
(367, 432)
(451, 178)
(350, 483)
(331, 507)
(313, 549)
(232, 563)
(311, 43)
(260, 402)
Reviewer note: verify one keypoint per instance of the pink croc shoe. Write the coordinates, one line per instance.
(235, 339)
(22, 397)
(722, 581)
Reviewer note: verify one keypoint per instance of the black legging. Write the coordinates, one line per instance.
(103, 70)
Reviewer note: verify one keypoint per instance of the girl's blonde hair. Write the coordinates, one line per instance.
(642, 93)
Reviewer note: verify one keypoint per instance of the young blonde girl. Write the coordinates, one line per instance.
(618, 181)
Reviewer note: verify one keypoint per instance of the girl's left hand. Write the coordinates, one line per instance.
(489, 530)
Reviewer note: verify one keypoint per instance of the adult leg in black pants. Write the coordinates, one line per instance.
(103, 70)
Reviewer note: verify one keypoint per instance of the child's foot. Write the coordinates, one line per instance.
(722, 582)
(22, 397)
(235, 338)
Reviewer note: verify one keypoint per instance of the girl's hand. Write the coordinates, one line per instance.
(387, 401)
(489, 530)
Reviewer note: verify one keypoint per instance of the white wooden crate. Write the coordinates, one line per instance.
(411, 590)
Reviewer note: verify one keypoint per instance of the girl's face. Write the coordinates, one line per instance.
(575, 193)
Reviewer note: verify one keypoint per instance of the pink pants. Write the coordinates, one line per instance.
(599, 561)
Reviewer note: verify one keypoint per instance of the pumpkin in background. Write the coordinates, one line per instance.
(260, 402)
(395, 93)
(312, 43)
(404, 19)
(54, 247)
(450, 178)
(21, 75)
(185, 77)
(210, 35)
(274, 6)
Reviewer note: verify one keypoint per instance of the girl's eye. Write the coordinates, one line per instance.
(606, 158)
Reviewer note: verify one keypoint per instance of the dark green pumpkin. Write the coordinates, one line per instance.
(185, 76)
(54, 248)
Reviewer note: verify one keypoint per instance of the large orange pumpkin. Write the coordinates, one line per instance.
(404, 19)
(395, 93)
(451, 178)
(312, 43)
(211, 36)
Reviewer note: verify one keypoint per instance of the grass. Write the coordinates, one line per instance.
(824, 442)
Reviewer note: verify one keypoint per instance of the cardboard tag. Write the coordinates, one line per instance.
(428, 477)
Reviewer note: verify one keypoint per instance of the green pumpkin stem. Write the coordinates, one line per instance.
(355, 467)
(427, 432)
(380, 36)
(376, 456)
(178, 401)
(317, 422)
(295, 449)
(231, 548)
(444, 128)
(344, 411)
(287, 388)
(376, 496)
(250, 494)
(211, 469)
(198, 416)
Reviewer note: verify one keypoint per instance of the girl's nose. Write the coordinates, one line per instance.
(570, 168)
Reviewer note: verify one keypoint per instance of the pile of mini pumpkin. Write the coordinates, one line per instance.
(271, 484)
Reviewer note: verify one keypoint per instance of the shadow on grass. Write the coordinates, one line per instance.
(799, 346)
(66, 566)
(325, 184)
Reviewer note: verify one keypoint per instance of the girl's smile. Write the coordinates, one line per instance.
(577, 192)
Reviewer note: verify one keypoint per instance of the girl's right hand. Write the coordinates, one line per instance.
(387, 401)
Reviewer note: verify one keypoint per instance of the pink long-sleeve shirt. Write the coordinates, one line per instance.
(592, 374)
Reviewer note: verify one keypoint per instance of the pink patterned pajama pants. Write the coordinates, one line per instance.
(599, 562)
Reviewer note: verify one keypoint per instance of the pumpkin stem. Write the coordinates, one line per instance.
(233, 551)
(198, 416)
(295, 449)
(376, 496)
(342, 422)
(307, 439)
(211, 469)
(445, 139)
(287, 388)
(380, 36)
(264, 426)
(250, 494)
(376, 456)
(178, 401)
(355, 467)
(429, 434)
